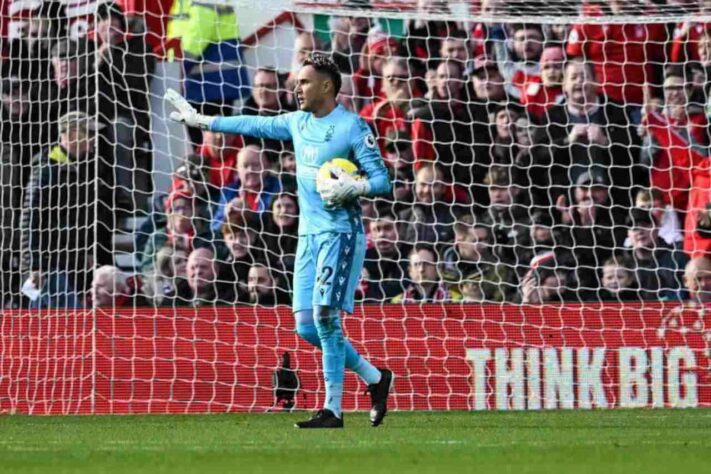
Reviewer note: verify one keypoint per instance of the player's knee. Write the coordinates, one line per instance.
(327, 321)
(325, 313)
(308, 333)
(305, 327)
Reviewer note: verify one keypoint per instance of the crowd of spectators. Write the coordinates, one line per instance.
(531, 164)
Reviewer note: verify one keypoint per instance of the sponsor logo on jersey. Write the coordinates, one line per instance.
(309, 154)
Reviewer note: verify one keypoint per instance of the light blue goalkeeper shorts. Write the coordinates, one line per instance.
(327, 270)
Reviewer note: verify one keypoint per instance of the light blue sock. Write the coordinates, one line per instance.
(333, 346)
(306, 328)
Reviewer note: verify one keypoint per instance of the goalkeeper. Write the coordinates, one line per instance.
(331, 248)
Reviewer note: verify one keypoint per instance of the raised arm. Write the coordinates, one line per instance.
(275, 128)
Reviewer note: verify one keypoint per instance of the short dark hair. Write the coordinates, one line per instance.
(640, 218)
(384, 210)
(324, 64)
(268, 70)
(526, 26)
(470, 222)
(456, 34)
(456, 63)
(684, 71)
(261, 263)
(501, 175)
(107, 10)
(588, 65)
(427, 248)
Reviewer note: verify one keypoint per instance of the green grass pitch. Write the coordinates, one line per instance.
(646, 441)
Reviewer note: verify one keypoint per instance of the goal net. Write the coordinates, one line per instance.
(546, 244)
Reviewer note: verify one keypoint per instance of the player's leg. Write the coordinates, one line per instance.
(380, 380)
(338, 265)
(333, 265)
(306, 328)
(333, 348)
(305, 281)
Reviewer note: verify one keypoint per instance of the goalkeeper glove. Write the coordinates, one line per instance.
(342, 189)
(186, 113)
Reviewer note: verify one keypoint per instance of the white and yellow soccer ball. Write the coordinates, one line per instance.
(326, 173)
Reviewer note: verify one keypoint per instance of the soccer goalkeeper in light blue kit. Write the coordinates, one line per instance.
(331, 248)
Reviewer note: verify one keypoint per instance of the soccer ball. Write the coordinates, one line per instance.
(325, 173)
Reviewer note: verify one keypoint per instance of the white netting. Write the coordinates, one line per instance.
(506, 11)
(541, 152)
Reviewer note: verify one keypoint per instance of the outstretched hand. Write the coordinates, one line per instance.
(185, 113)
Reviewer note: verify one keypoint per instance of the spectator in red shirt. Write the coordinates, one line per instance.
(704, 85)
(368, 78)
(447, 132)
(687, 34)
(697, 243)
(686, 124)
(213, 167)
(219, 159)
(519, 59)
(539, 93)
(389, 112)
(625, 56)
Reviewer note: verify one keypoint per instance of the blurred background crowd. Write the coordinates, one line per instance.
(532, 163)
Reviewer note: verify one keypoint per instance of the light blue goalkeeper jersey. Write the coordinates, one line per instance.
(340, 134)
